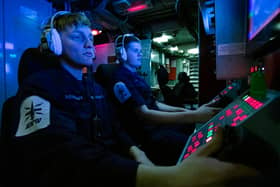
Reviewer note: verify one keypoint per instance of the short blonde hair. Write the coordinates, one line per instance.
(70, 19)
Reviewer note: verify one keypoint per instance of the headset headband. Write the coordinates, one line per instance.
(59, 13)
(123, 38)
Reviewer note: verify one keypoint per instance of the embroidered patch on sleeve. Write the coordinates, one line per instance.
(34, 115)
(121, 92)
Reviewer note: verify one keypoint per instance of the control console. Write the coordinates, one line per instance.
(251, 133)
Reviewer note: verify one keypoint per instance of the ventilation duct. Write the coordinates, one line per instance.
(121, 6)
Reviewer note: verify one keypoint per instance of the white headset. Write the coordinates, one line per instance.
(52, 36)
(120, 49)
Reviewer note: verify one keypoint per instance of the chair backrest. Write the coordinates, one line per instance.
(7, 117)
(104, 73)
(31, 61)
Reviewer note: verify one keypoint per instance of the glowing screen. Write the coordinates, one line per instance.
(261, 12)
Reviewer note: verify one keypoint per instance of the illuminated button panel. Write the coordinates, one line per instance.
(202, 136)
(224, 92)
(233, 115)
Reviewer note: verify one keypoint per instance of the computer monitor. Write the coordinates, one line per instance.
(263, 27)
(261, 13)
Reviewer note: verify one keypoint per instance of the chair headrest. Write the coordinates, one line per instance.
(104, 73)
(33, 60)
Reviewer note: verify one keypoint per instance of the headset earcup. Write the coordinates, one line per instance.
(57, 44)
(54, 41)
(123, 53)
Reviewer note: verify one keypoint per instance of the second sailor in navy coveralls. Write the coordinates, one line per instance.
(161, 129)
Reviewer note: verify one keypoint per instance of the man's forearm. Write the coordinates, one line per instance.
(156, 117)
(168, 108)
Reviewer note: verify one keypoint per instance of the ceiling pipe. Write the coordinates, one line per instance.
(108, 20)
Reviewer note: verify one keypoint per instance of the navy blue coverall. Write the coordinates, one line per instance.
(64, 135)
(163, 144)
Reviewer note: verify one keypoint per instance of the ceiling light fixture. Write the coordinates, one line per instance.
(137, 8)
(193, 51)
(162, 39)
(174, 48)
(96, 32)
(139, 5)
(181, 51)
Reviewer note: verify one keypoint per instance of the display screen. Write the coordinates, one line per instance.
(261, 13)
